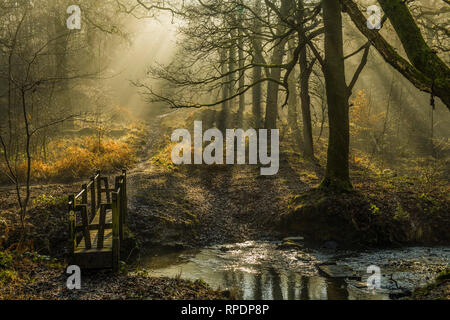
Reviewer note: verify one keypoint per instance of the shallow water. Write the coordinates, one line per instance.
(258, 270)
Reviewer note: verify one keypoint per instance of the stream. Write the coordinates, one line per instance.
(261, 270)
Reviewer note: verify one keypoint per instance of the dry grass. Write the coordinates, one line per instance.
(77, 158)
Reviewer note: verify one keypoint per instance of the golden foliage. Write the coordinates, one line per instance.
(362, 115)
(164, 157)
(68, 159)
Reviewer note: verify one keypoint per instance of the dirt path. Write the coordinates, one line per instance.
(189, 207)
(204, 205)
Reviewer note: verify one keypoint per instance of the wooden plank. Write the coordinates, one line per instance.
(94, 233)
(101, 229)
(107, 242)
(93, 259)
(93, 227)
(108, 217)
(107, 190)
(85, 221)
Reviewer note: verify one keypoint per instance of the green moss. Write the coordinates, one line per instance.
(123, 267)
(50, 200)
(336, 185)
(201, 283)
(434, 291)
(444, 275)
(419, 53)
(400, 213)
(191, 215)
(374, 209)
(6, 260)
(424, 291)
(7, 276)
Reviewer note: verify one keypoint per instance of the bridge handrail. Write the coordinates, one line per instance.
(116, 200)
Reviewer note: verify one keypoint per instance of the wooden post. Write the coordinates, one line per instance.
(99, 189)
(116, 183)
(86, 231)
(72, 223)
(84, 198)
(93, 204)
(107, 191)
(120, 191)
(125, 198)
(101, 228)
(116, 234)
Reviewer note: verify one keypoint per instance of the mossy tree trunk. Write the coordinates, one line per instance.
(337, 173)
(417, 50)
(424, 70)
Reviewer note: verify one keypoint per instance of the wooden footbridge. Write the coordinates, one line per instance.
(97, 221)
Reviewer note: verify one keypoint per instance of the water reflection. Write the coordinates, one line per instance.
(260, 272)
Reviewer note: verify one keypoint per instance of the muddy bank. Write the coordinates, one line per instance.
(194, 207)
(207, 205)
(355, 220)
(200, 205)
(46, 224)
(438, 290)
(30, 276)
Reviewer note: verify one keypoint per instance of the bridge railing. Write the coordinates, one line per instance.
(95, 199)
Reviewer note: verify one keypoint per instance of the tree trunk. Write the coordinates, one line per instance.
(306, 106)
(293, 103)
(277, 59)
(337, 175)
(223, 114)
(257, 72)
(241, 74)
(417, 50)
(24, 206)
(424, 82)
(305, 74)
(232, 68)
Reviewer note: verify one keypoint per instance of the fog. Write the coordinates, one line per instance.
(151, 42)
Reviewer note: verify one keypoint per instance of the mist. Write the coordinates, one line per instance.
(289, 143)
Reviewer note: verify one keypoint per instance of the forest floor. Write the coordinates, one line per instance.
(29, 276)
(194, 206)
(437, 290)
